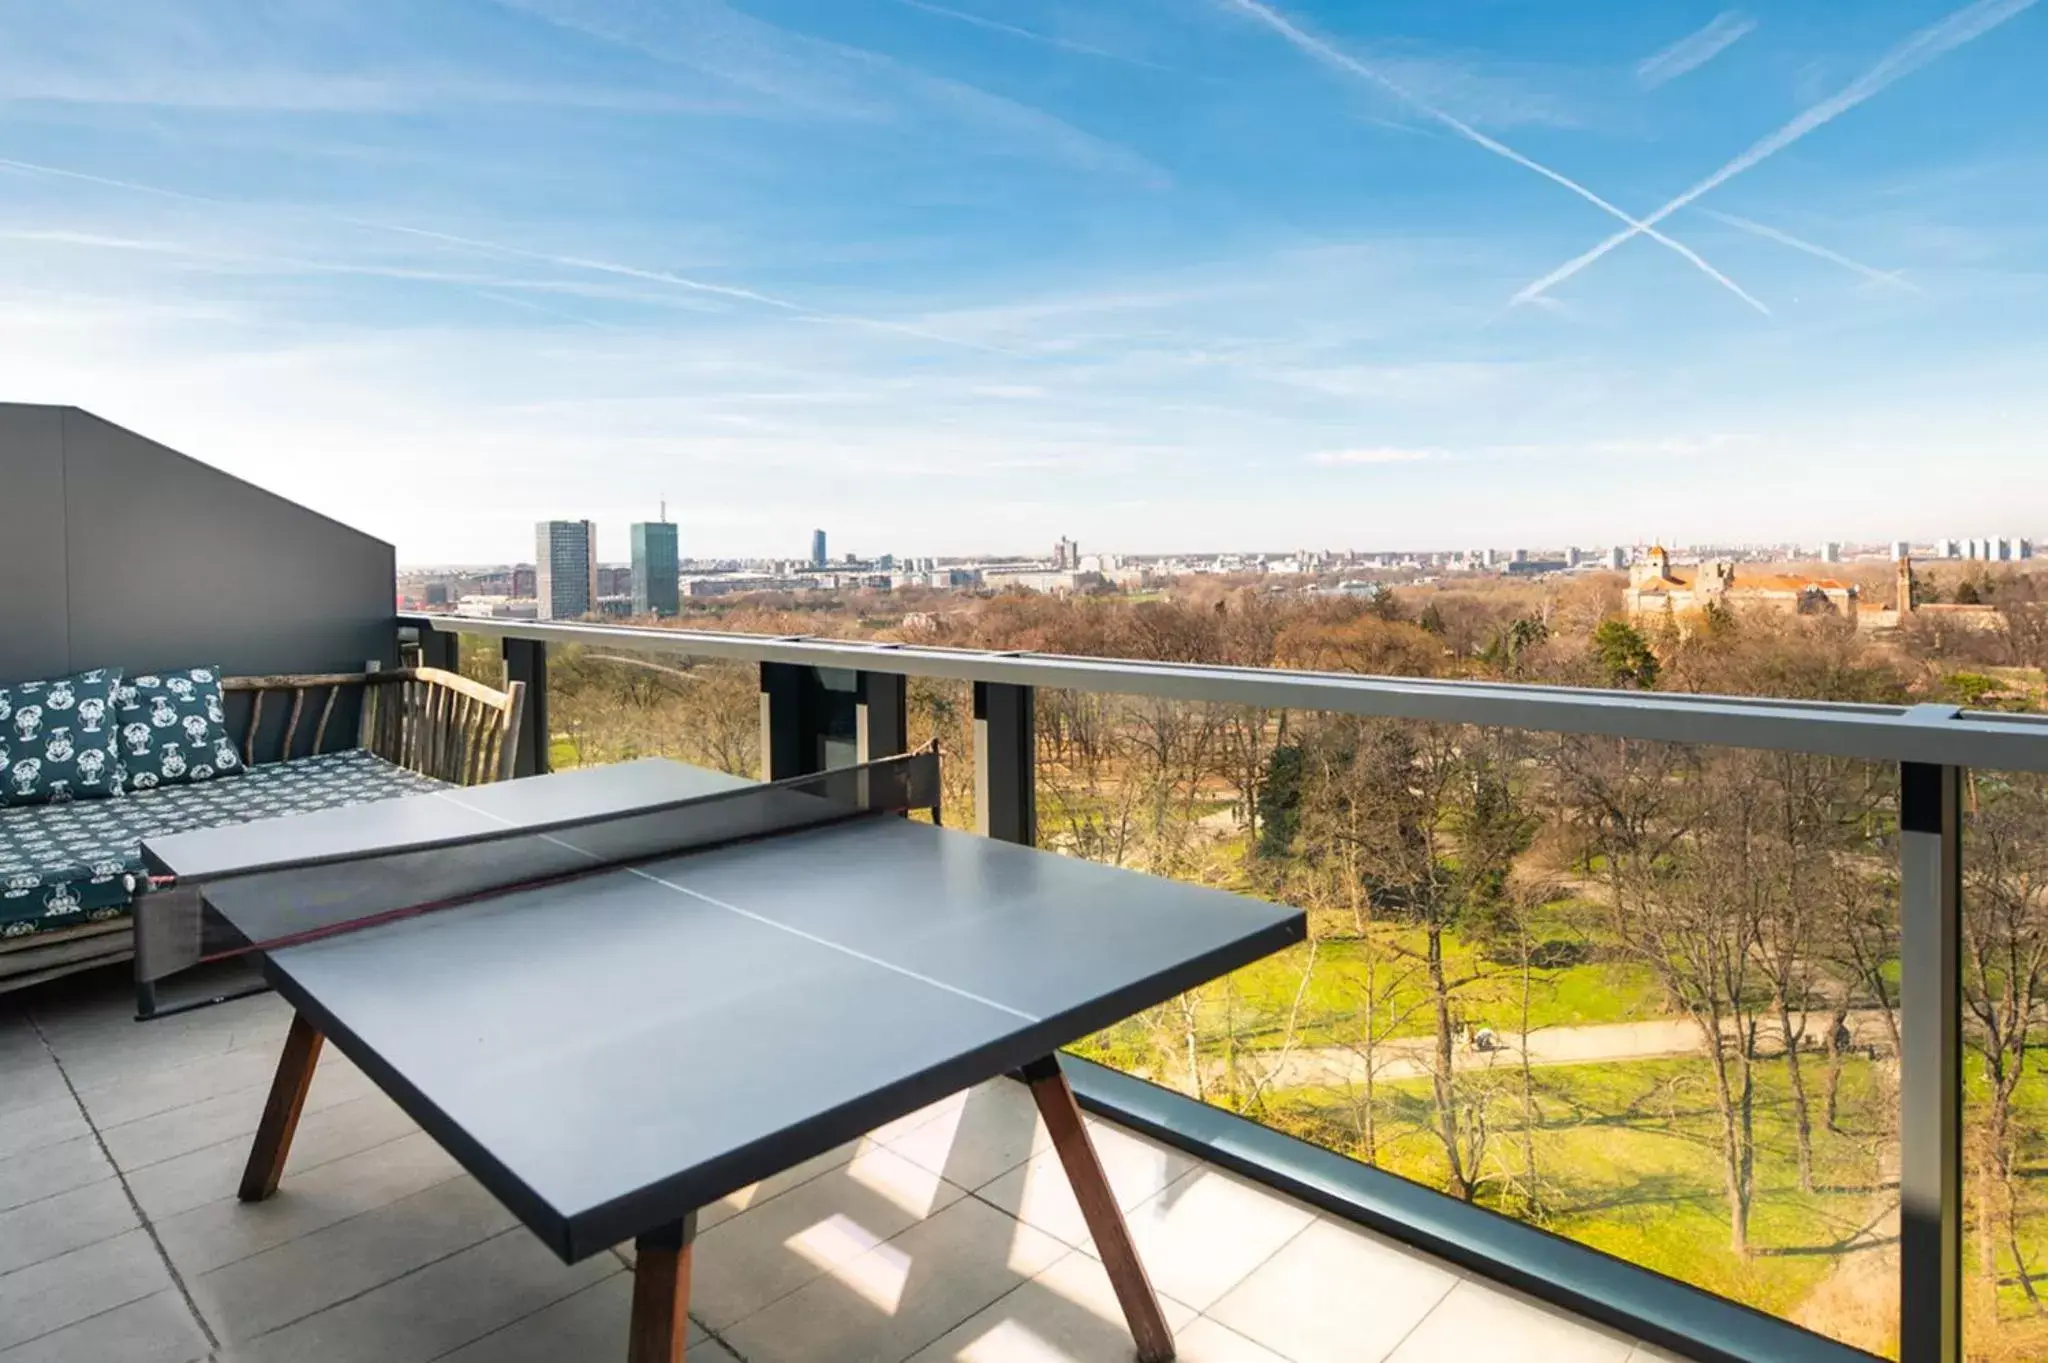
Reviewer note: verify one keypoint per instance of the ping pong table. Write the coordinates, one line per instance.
(608, 1053)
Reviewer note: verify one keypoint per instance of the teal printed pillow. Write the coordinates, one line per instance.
(57, 739)
(173, 729)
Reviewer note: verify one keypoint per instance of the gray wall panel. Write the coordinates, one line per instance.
(34, 635)
(165, 562)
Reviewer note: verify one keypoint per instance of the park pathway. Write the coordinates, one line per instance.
(1410, 1057)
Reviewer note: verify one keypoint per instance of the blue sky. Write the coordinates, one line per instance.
(942, 277)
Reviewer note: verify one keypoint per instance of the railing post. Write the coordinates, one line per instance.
(884, 721)
(439, 648)
(786, 744)
(526, 660)
(1005, 762)
(1930, 1065)
(808, 719)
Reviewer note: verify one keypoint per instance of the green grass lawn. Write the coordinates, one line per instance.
(1260, 996)
(1627, 1162)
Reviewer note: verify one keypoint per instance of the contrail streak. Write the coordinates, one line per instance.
(1970, 22)
(1871, 273)
(796, 310)
(1030, 35)
(1323, 51)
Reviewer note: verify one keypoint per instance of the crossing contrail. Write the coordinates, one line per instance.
(1970, 22)
(1870, 272)
(1323, 51)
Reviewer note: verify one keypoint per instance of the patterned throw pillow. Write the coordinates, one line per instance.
(57, 739)
(173, 729)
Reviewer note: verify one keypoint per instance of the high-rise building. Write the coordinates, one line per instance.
(2023, 549)
(1617, 558)
(1948, 549)
(655, 568)
(818, 559)
(565, 569)
(525, 581)
(1831, 552)
(1901, 551)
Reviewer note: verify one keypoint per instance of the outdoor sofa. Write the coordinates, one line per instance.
(70, 858)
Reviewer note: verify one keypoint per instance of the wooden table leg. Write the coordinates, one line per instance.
(661, 1293)
(281, 1111)
(1099, 1209)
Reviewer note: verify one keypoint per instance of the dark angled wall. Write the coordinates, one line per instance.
(115, 550)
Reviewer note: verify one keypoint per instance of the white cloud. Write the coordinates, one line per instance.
(1381, 454)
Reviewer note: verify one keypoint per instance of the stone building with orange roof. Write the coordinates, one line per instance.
(1659, 590)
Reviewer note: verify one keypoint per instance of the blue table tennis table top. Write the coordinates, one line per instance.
(609, 1054)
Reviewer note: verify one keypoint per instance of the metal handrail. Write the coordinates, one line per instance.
(1935, 734)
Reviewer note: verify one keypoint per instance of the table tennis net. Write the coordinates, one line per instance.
(184, 922)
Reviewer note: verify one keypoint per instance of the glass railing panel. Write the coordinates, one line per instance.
(2005, 1065)
(1552, 977)
(609, 704)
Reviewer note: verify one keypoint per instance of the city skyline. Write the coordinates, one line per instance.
(1151, 274)
(1066, 553)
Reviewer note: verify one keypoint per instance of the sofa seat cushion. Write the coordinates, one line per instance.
(61, 865)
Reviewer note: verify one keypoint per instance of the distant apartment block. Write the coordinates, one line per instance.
(655, 566)
(818, 559)
(1831, 552)
(525, 581)
(565, 558)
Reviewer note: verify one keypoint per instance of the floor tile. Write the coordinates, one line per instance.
(990, 1131)
(153, 1329)
(1206, 1341)
(1067, 1314)
(63, 1222)
(221, 1232)
(443, 1307)
(1481, 1320)
(56, 1292)
(590, 1324)
(748, 1261)
(51, 1169)
(1335, 1294)
(793, 1177)
(203, 1176)
(886, 1304)
(34, 1126)
(1039, 1193)
(1207, 1231)
(294, 1280)
(194, 1126)
(133, 1097)
(29, 1077)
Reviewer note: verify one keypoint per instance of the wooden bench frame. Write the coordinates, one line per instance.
(425, 719)
(437, 723)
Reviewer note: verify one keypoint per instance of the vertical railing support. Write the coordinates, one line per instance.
(439, 648)
(526, 660)
(884, 723)
(787, 744)
(1930, 1066)
(809, 719)
(1005, 762)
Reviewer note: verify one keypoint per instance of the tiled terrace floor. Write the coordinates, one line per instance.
(949, 1235)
